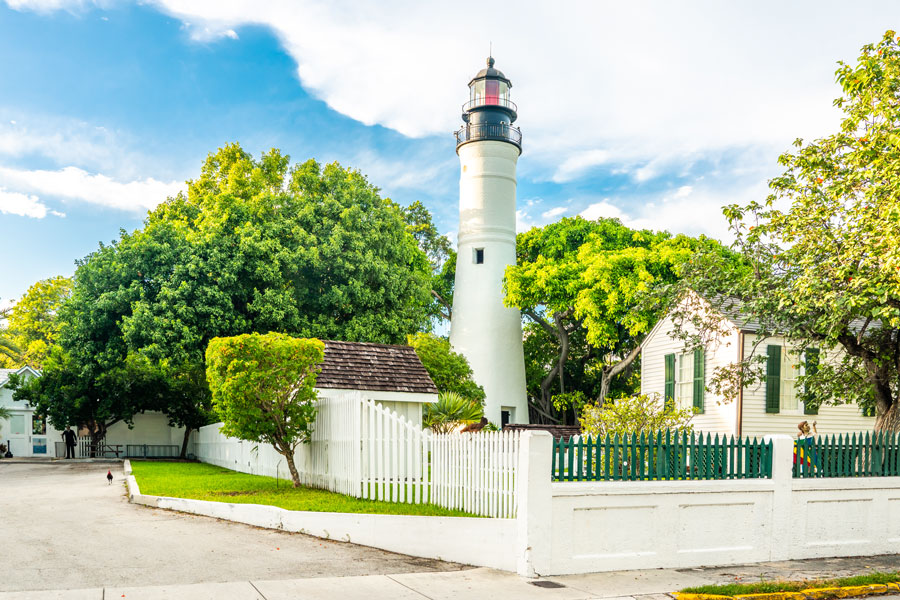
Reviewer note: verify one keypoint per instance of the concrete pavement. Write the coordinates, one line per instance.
(62, 527)
(471, 584)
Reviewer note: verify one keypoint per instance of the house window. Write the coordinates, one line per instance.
(782, 371)
(479, 256)
(684, 387)
(790, 370)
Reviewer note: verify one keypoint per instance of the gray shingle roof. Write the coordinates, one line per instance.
(382, 367)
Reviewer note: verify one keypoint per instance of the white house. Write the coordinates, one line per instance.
(773, 406)
(391, 375)
(24, 433)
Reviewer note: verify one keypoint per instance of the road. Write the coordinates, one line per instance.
(63, 527)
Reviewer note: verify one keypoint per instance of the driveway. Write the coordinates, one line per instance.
(63, 527)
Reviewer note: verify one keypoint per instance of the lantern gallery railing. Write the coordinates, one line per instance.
(490, 101)
(489, 131)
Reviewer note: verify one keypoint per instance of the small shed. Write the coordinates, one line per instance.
(391, 375)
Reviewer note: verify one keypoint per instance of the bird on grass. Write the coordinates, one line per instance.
(108, 477)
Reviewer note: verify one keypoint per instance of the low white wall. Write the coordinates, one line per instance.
(472, 541)
(622, 525)
(609, 526)
(845, 517)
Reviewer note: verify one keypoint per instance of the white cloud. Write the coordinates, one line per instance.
(578, 163)
(524, 222)
(554, 212)
(15, 203)
(603, 209)
(72, 183)
(639, 86)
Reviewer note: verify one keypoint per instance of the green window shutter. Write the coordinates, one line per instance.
(699, 379)
(670, 380)
(773, 379)
(811, 405)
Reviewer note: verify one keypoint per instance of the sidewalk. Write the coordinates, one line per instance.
(476, 584)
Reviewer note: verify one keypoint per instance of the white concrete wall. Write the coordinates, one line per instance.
(472, 541)
(606, 526)
(719, 416)
(831, 419)
(483, 330)
(149, 428)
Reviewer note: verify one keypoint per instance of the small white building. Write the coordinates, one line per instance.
(391, 375)
(672, 372)
(24, 433)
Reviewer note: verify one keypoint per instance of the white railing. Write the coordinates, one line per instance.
(362, 449)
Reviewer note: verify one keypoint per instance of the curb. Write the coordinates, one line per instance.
(828, 593)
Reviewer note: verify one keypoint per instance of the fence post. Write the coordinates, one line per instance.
(782, 480)
(535, 503)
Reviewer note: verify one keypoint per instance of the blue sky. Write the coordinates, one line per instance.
(655, 112)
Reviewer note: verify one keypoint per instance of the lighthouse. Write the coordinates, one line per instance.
(482, 329)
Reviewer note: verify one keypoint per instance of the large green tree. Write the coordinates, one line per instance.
(592, 290)
(254, 245)
(822, 248)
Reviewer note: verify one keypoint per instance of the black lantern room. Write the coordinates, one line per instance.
(489, 113)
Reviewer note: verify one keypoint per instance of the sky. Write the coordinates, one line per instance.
(658, 113)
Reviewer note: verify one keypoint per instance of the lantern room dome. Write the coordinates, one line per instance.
(490, 73)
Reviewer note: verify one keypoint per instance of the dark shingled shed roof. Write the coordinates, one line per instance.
(382, 367)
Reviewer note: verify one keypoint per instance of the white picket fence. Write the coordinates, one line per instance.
(362, 449)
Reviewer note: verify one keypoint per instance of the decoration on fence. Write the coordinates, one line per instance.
(848, 455)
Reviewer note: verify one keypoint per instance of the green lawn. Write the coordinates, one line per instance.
(768, 587)
(200, 481)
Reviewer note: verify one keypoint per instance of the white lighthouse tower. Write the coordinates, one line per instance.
(482, 329)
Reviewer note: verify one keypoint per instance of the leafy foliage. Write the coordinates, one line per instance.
(263, 389)
(634, 414)
(441, 257)
(592, 290)
(824, 262)
(254, 245)
(449, 370)
(450, 412)
(34, 321)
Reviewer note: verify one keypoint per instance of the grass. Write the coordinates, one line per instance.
(767, 587)
(200, 481)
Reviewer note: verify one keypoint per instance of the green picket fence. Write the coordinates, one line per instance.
(668, 455)
(848, 455)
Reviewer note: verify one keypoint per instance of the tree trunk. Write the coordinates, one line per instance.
(288, 455)
(98, 433)
(184, 443)
(611, 371)
(888, 420)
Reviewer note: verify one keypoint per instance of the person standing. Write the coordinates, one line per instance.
(71, 441)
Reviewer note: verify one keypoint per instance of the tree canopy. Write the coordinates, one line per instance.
(449, 370)
(33, 320)
(263, 389)
(254, 245)
(825, 263)
(592, 290)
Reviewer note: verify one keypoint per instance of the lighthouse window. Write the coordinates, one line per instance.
(479, 256)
